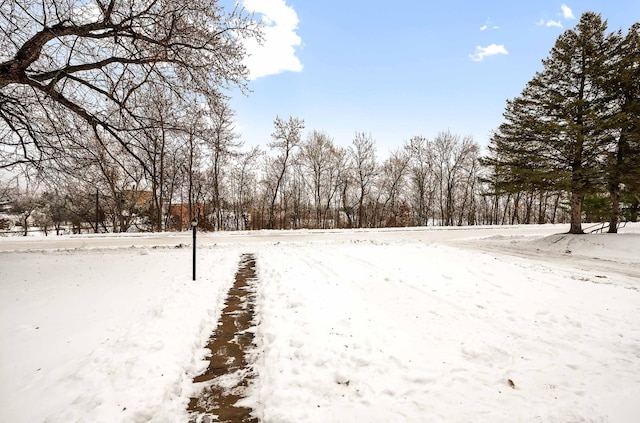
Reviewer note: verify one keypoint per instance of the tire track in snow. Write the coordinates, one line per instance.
(588, 269)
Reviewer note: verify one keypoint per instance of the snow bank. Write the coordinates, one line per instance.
(623, 246)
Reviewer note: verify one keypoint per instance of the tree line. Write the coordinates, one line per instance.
(114, 116)
(300, 181)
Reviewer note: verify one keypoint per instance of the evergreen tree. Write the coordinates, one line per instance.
(623, 164)
(554, 136)
(517, 150)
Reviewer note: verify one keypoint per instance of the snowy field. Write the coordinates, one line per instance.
(493, 324)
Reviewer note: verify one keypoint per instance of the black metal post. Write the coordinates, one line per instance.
(97, 208)
(194, 225)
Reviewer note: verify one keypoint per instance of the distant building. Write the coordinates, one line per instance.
(140, 200)
(179, 214)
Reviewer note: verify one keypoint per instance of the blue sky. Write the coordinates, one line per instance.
(399, 69)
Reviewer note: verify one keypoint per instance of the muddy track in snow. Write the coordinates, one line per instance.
(229, 371)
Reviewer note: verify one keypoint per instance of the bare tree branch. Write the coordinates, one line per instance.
(87, 59)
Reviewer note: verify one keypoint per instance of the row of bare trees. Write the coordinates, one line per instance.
(200, 168)
(425, 182)
(195, 165)
(312, 182)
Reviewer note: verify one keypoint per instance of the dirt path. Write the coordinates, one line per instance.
(229, 372)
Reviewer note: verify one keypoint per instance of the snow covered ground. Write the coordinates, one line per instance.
(495, 324)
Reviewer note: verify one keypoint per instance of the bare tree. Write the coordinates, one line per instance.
(222, 143)
(363, 154)
(297, 202)
(56, 199)
(243, 185)
(27, 202)
(120, 191)
(195, 181)
(172, 130)
(451, 153)
(467, 188)
(392, 184)
(323, 163)
(421, 178)
(156, 140)
(347, 191)
(286, 136)
(81, 63)
(333, 180)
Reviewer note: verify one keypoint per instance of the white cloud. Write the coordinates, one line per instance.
(490, 50)
(277, 53)
(567, 13)
(549, 23)
(488, 25)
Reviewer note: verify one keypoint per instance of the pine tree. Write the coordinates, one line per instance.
(554, 136)
(623, 164)
(517, 149)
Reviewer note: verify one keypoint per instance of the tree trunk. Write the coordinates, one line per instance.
(556, 204)
(576, 213)
(515, 217)
(361, 207)
(614, 183)
(542, 207)
(506, 209)
(614, 192)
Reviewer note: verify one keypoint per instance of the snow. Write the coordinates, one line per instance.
(105, 335)
(496, 324)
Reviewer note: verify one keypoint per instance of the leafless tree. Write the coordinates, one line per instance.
(347, 195)
(363, 155)
(173, 130)
(285, 138)
(467, 189)
(66, 64)
(392, 184)
(243, 186)
(323, 162)
(421, 178)
(451, 155)
(334, 177)
(296, 198)
(119, 192)
(194, 172)
(222, 144)
(27, 201)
